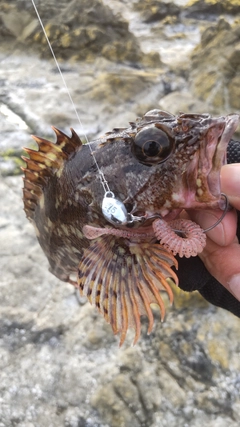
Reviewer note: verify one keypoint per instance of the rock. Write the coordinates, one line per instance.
(60, 363)
(80, 31)
(129, 393)
(179, 374)
(215, 67)
(16, 23)
(171, 390)
(125, 86)
(102, 95)
(153, 10)
(184, 299)
(178, 101)
(150, 390)
(236, 410)
(10, 163)
(234, 91)
(219, 349)
(113, 409)
(73, 418)
(205, 7)
(130, 361)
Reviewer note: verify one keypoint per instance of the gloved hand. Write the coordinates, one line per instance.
(210, 273)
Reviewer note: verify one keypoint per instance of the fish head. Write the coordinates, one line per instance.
(170, 163)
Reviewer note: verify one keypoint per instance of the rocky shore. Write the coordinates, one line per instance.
(60, 363)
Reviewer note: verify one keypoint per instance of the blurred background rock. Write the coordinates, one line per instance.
(60, 363)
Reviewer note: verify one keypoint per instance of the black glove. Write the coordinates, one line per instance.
(193, 274)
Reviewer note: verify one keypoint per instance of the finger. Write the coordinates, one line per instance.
(223, 264)
(224, 233)
(230, 183)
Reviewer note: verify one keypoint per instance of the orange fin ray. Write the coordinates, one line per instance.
(159, 251)
(113, 299)
(162, 279)
(43, 163)
(136, 307)
(123, 279)
(146, 301)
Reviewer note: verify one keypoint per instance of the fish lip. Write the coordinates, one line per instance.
(230, 124)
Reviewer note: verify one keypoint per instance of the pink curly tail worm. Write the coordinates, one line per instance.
(190, 245)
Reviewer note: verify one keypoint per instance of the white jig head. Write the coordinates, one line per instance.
(114, 210)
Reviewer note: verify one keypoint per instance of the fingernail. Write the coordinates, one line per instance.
(234, 286)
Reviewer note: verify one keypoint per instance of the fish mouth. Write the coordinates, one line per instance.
(213, 155)
(220, 155)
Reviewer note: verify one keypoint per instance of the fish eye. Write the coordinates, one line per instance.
(152, 145)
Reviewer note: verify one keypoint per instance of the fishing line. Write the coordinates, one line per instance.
(181, 232)
(113, 209)
(103, 180)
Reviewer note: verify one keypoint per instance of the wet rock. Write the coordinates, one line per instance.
(125, 86)
(103, 94)
(198, 8)
(171, 390)
(11, 162)
(80, 31)
(131, 361)
(74, 418)
(128, 392)
(215, 67)
(177, 101)
(219, 349)
(185, 372)
(234, 90)
(112, 409)
(210, 401)
(150, 389)
(236, 410)
(14, 23)
(60, 363)
(183, 299)
(153, 10)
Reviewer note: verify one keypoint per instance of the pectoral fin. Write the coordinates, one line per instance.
(122, 279)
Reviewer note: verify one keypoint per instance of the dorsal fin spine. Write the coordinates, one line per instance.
(43, 163)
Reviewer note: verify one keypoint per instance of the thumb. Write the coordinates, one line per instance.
(230, 183)
(223, 263)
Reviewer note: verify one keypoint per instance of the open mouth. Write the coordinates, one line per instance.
(229, 125)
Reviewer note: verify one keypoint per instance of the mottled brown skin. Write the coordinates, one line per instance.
(63, 192)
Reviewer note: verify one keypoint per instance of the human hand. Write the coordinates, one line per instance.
(221, 256)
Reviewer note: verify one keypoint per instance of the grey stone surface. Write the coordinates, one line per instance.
(78, 30)
(215, 67)
(60, 364)
(200, 8)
